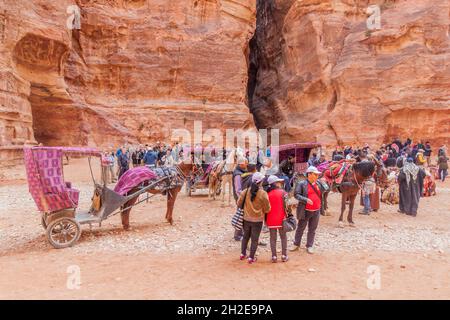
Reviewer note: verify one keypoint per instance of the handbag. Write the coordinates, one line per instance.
(237, 221)
(289, 224)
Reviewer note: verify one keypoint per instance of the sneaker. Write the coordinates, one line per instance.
(294, 248)
(284, 258)
(310, 250)
(274, 259)
(238, 238)
(250, 260)
(242, 257)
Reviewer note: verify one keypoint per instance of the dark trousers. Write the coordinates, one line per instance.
(311, 220)
(273, 241)
(442, 174)
(252, 230)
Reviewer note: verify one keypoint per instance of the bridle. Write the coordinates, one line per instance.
(356, 180)
(180, 172)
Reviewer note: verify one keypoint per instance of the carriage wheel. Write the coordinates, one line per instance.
(63, 232)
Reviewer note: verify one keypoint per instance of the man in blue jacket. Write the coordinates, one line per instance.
(150, 158)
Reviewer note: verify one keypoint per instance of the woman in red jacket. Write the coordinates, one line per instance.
(278, 212)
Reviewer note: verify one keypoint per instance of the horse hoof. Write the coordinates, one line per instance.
(351, 224)
(340, 224)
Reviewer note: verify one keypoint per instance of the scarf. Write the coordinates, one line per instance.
(411, 171)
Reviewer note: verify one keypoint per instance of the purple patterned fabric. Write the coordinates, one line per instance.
(74, 151)
(132, 178)
(46, 182)
(323, 166)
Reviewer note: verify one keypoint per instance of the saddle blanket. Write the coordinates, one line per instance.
(135, 176)
(336, 172)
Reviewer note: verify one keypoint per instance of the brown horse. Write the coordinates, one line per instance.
(183, 170)
(351, 183)
(215, 180)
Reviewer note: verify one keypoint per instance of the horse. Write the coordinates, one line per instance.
(214, 181)
(226, 175)
(351, 183)
(183, 169)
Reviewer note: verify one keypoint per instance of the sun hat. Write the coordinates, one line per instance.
(257, 177)
(272, 179)
(313, 169)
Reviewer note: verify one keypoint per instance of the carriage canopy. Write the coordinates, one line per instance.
(301, 151)
(45, 176)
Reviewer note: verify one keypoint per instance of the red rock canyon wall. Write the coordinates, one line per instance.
(135, 71)
(318, 74)
(139, 68)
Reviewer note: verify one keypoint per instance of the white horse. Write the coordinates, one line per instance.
(227, 173)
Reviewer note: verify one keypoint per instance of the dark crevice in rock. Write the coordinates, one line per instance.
(265, 51)
(333, 102)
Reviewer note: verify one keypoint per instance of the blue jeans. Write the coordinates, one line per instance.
(287, 184)
(366, 200)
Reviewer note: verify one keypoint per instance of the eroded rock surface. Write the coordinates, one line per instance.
(318, 74)
(133, 72)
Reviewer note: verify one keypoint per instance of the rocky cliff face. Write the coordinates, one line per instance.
(139, 68)
(318, 74)
(134, 71)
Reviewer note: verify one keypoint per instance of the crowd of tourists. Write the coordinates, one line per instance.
(261, 188)
(261, 191)
(116, 162)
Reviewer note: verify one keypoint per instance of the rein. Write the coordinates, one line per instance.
(180, 172)
(356, 180)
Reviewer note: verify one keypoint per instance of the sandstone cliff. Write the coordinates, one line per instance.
(134, 71)
(318, 74)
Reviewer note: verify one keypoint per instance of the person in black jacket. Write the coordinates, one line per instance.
(286, 171)
(309, 194)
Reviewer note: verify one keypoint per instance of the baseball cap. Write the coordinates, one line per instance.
(313, 169)
(272, 179)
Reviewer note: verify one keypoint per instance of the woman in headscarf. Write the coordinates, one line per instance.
(410, 181)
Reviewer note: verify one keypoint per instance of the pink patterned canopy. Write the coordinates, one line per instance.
(76, 151)
(46, 179)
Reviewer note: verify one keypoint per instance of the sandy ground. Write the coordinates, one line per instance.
(197, 258)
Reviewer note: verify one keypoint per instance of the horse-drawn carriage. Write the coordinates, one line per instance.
(301, 152)
(57, 199)
(203, 160)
